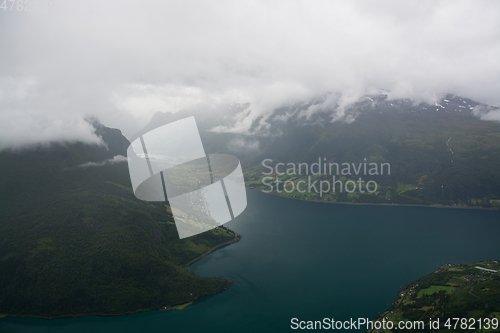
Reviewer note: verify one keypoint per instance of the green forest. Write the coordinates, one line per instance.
(75, 241)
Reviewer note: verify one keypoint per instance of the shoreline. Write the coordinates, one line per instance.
(396, 306)
(378, 204)
(236, 239)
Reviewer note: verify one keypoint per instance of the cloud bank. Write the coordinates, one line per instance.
(122, 61)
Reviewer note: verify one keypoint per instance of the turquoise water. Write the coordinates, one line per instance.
(310, 261)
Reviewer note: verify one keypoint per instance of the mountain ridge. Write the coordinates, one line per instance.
(440, 154)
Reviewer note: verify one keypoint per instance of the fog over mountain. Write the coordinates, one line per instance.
(123, 61)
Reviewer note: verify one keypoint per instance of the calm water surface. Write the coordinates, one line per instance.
(310, 261)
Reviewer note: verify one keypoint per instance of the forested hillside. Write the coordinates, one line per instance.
(74, 240)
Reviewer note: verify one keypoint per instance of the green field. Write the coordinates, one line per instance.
(435, 289)
(457, 280)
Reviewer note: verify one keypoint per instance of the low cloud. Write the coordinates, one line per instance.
(123, 61)
(116, 159)
(243, 145)
(486, 113)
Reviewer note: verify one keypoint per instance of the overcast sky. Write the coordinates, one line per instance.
(122, 61)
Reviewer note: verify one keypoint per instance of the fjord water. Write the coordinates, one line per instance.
(309, 260)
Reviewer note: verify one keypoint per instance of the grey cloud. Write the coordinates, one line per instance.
(125, 60)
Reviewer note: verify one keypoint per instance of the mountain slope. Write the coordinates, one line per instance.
(74, 240)
(439, 154)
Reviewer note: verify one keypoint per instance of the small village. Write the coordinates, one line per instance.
(476, 287)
